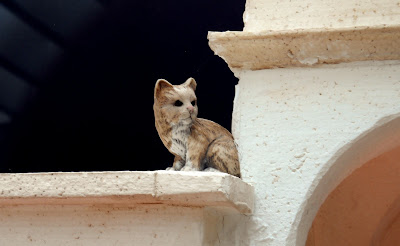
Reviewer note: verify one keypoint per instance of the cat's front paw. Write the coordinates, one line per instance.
(178, 166)
(210, 169)
(187, 168)
(170, 169)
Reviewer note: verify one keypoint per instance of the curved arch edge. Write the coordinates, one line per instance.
(383, 136)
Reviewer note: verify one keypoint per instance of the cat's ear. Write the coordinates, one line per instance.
(191, 83)
(161, 84)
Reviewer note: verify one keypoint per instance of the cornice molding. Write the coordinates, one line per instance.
(306, 47)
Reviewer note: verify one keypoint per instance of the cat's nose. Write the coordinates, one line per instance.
(190, 108)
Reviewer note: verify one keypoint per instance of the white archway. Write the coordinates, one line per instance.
(362, 208)
(382, 137)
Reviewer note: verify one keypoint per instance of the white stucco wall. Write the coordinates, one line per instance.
(318, 96)
(122, 208)
(100, 225)
(268, 15)
(292, 124)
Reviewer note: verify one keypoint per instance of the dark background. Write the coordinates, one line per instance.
(77, 78)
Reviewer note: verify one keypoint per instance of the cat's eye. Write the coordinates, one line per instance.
(178, 103)
(193, 102)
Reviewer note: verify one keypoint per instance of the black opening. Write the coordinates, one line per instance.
(77, 79)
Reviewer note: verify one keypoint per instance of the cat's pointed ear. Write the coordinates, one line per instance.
(161, 84)
(191, 83)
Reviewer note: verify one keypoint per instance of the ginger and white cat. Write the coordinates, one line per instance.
(197, 144)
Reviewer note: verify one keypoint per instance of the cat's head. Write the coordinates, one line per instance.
(176, 103)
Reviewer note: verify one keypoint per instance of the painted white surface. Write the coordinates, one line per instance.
(302, 130)
(100, 225)
(198, 189)
(292, 124)
(122, 208)
(261, 15)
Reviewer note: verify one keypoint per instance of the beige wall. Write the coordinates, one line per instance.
(392, 234)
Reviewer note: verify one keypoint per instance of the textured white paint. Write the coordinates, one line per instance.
(302, 130)
(122, 208)
(261, 15)
(101, 225)
(291, 124)
(200, 189)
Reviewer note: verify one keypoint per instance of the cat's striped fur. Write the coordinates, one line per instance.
(197, 144)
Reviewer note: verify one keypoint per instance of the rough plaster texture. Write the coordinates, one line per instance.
(261, 15)
(303, 126)
(363, 208)
(101, 225)
(166, 187)
(123, 208)
(301, 131)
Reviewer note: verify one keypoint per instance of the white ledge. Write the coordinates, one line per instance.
(199, 189)
(306, 47)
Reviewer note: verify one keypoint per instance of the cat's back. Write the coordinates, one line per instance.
(208, 127)
(221, 151)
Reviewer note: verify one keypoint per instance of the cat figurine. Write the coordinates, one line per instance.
(197, 144)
